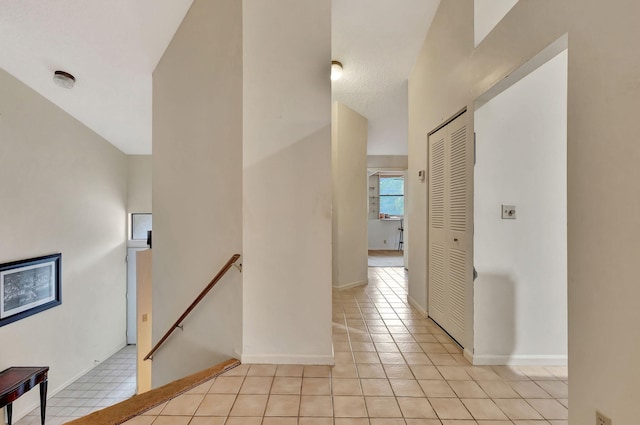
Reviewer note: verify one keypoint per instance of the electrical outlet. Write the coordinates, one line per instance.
(602, 419)
(385, 241)
(508, 212)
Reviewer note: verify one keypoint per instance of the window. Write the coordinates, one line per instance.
(140, 223)
(392, 195)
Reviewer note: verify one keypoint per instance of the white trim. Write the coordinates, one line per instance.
(417, 306)
(351, 285)
(304, 359)
(468, 355)
(520, 359)
(137, 243)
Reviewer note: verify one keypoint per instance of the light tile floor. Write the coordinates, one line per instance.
(108, 383)
(393, 367)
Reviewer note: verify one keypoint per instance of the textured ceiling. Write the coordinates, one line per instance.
(378, 43)
(111, 47)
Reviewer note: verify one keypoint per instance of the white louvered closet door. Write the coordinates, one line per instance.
(450, 235)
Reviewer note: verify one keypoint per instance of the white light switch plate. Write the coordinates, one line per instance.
(508, 212)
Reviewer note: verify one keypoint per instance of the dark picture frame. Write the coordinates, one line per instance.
(29, 286)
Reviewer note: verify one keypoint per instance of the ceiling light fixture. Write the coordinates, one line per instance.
(64, 79)
(336, 70)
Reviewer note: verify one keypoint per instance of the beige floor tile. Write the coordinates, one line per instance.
(138, 420)
(450, 408)
(344, 371)
(559, 422)
(371, 371)
(348, 421)
(436, 388)
(416, 359)
(484, 409)
(425, 372)
(510, 373)
(394, 371)
(467, 389)
(318, 421)
(345, 386)
(382, 407)
(427, 422)
(241, 420)
(283, 405)
(316, 386)
(443, 359)
(564, 402)
(169, 420)
(256, 385)
(406, 388)
(549, 408)
(498, 389)
(387, 421)
(433, 348)
(340, 357)
(286, 385)
(317, 371)
(454, 373)
(262, 370)
(416, 408)
(316, 406)
(528, 389)
(366, 357)
(482, 373)
(210, 420)
(349, 407)
(185, 404)
(376, 387)
(226, 385)
(517, 409)
(391, 358)
(274, 420)
(386, 347)
(202, 388)
(156, 410)
(557, 389)
(424, 338)
(362, 346)
(290, 370)
(240, 370)
(249, 405)
(409, 347)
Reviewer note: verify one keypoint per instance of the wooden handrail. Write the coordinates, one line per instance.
(195, 302)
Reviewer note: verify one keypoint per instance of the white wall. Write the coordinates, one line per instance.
(521, 291)
(383, 234)
(139, 183)
(287, 181)
(349, 174)
(63, 190)
(602, 173)
(487, 14)
(197, 189)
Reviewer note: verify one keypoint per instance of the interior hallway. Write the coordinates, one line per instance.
(392, 367)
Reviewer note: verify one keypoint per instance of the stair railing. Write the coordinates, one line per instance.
(178, 323)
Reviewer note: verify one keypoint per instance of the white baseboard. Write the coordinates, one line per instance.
(468, 355)
(519, 360)
(351, 285)
(417, 306)
(303, 359)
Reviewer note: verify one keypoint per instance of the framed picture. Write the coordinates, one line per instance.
(29, 286)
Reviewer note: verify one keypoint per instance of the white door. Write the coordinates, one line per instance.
(450, 229)
(131, 294)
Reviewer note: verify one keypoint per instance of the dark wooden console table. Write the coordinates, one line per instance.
(16, 381)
